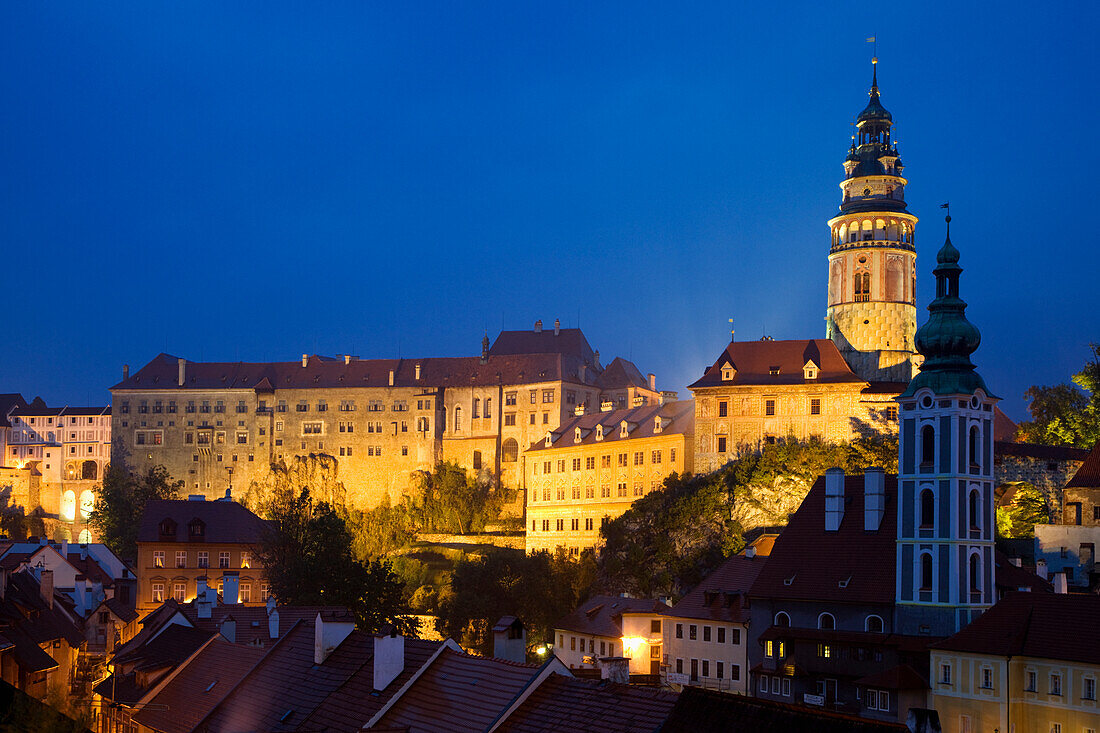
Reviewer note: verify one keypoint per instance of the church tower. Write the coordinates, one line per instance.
(945, 563)
(872, 264)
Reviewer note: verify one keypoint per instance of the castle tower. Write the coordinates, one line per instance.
(945, 563)
(872, 264)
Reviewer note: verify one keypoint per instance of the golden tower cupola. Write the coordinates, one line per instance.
(872, 262)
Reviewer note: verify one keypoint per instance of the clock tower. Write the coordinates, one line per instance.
(872, 313)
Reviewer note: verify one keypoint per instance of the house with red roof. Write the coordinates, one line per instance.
(609, 627)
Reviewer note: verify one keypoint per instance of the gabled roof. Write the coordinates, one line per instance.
(1059, 626)
(34, 410)
(226, 521)
(705, 710)
(621, 373)
(458, 692)
(603, 615)
(568, 342)
(850, 565)
(722, 595)
(8, 402)
(253, 621)
(172, 646)
(756, 360)
(27, 622)
(563, 703)
(1088, 474)
(679, 420)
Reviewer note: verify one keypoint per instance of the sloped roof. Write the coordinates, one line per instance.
(563, 703)
(603, 615)
(172, 646)
(1038, 452)
(755, 360)
(440, 698)
(621, 373)
(681, 414)
(1088, 473)
(706, 710)
(568, 341)
(120, 609)
(726, 589)
(226, 521)
(189, 696)
(162, 373)
(1009, 577)
(817, 563)
(34, 410)
(1059, 626)
(8, 402)
(1004, 427)
(252, 621)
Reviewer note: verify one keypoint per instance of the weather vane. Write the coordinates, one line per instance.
(874, 40)
(731, 329)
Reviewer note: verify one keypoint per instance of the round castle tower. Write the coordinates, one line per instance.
(872, 314)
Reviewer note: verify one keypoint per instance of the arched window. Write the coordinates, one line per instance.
(458, 418)
(975, 505)
(509, 451)
(868, 230)
(89, 471)
(975, 447)
(477, 460)
(873, 624)
(926, 571)
(975, 574)
(826, 621)
(927, 445)
(895, 280)
(87, 504)
(782, 619)
(477, 408)
(862, 287)
(68, 506)
(927, 509)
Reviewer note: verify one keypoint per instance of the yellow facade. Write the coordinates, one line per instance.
(596, 466)
(1013, 694)
(174, 572)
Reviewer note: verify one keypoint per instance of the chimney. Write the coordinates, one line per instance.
(202, 605)
(64, 549)
(84, 551)
(391, 377)
(273, 624)
(231, 583)
(389, 657)
(3, 582)
(557, 327)
(228, 627)
(347, 358)
(81, 594)
(125, 371)
(1017, 561)
(45, 587)
(417, 373)
(1060, 584)
(596, 358)
(834, 498)
(269, 603)
(510, 640)
(615, 669)
(183, 371)
(652, 382)
(327, 635)
(874, 498)
(305, 360)
(750, 551)
(1041, 568)
(538, 326)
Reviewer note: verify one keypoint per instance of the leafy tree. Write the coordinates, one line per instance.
(120, 502)
(539, 588)
(447, 499)
(1066, 414)
(307, 556)
(1018, 517)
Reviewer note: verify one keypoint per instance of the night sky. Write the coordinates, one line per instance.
(253, 181)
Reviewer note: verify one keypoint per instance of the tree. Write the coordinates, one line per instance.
(539, 588)
(1066, 414)
(1017, 518)
(449, 500)
(307, 556)
(120, 502)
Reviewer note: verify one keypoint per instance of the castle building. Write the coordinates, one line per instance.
(371, 423)
(591, 469)
(945, 471)
(844, 385)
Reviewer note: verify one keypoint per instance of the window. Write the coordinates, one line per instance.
(824, 651)
(927, 509)
(181, 558)
(576, 464)
(158, 592)
(721, 445)
(246, 559)
(927, 446)
(987, 678)
(693, 632)
(179, 590)
(873, 624)
(721, 634)
(246, 592)
(975, 448)
(158, 558)
(763, 683)
(782, 619)
(679, 631)
(926, 572)
(621, 488)
(975, 511)
(548, 396)
(655, 626)
(679, 664)
(1031, 681)
(719, 670)
(509, 418)
(509, 398)
(590, 463)
(223, 559)
(1088, 688)
(706, 668)
(588, 524)
(458, 419)
(862, 286)
(534, 397)
(723, 408)
(769, 407)
(826, 621)
(203, 559)
(639, 458)
(945, 674)
(605, 461)
(706, 633)
(786, 687)
(1056, 684)
(815, 406)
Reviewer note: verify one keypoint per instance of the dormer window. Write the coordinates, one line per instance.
(196, 529)
(576, 435)
(167, 528)
(809, 370)
(656, 424)
(773, 370)
(728, 372)
(549, 439)
(599, 432)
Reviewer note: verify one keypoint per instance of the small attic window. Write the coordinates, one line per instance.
(599, 432)
(728, 372)
(197, 528)
(167, 528)
(657, 424)
(624, 429)
(809, 370)
(773, 370)
(576, 435)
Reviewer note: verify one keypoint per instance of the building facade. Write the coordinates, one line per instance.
(612, 627)
(372, 422)
(594, 466)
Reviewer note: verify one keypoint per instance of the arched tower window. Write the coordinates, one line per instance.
(836, 294)
(477, 408)
(975, 578)
(458, 418)
(862, 287)
(927, 509)
(895, 280)
(975, 506)
(975, 447)
(926, 571)
(868, 230)
(927, 446)
(826, 621)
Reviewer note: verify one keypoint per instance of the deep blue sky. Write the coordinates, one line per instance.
(257, 180)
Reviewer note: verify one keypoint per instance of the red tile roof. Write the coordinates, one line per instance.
(603, 615)
(621, 373)
(1057, 626)
(568, 341)
(755, 360)
(1039, 452)
(226, 522)
(458, 693)
(1009, 577)
(252, 621)
(200, 685)
(846, 566)
(1004, 428)
(1088, 474)
(563, 703)
(680, 414)
(722, 595)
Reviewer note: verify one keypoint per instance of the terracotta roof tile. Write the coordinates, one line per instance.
(722, 595)
(569, 341)
(1088, 474)
(563, 703)
(1040, 452)
(679, 420)
(226, 521)
(1042, 625)
(756, 360)
(602, 615)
